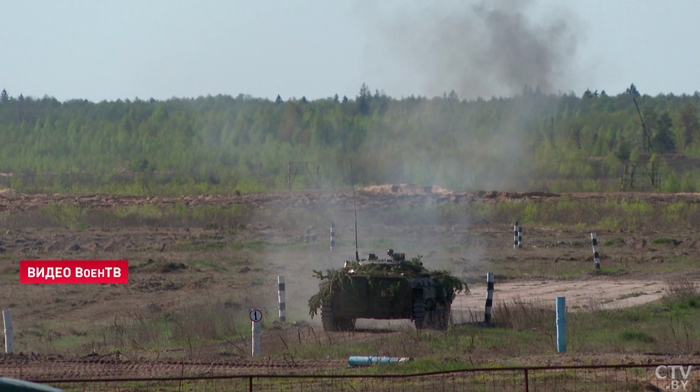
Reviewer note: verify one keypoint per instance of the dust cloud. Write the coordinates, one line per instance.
(477, 49)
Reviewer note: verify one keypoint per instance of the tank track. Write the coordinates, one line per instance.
(332, 324)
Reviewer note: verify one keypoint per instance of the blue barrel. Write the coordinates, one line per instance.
(367, 361)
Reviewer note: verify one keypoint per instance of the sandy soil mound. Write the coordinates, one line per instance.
(10, 194)
(406, 189)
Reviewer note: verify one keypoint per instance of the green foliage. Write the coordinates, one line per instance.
(146, 211)
(662, 240)
(672, 183)
(610, 223)
(663, 140)
(632, 295)
(181, 210)
(612, 214)
(687, 183)
(65, 215)
(632, 335)
(226, 144)
(675, 213)
(342, 279)
(617, 241)
(623, 152)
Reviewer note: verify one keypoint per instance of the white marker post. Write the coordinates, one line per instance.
(9, 335)
(515, 236)
(489, 297)
(255, 317)
(280, 296)
(332, 235)
(596, 256)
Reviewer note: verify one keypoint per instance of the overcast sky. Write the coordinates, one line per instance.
(101, 50)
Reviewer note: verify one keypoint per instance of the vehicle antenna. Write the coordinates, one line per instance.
(352, 182)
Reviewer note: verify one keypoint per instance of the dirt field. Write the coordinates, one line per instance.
(368, 199)
(177, 268)
(580, 294)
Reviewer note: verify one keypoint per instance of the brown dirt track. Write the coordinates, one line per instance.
(369, 198)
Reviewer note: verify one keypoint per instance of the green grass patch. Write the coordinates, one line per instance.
(639, 336)
(632, 295)
(670, 325)
(256, 245)
(198, 246)
(147, 248)
(613, 214)
(611, 270)
(617, 241)
(146, 211)
(687, 303)
(195, 246)
(665, 241)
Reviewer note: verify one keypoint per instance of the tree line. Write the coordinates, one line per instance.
(530, 141)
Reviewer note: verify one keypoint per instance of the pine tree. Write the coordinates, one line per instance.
(632, 90)
(363, 99)
(689, 118)
(663, 140)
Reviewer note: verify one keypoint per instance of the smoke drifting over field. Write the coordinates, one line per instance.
(479, 49)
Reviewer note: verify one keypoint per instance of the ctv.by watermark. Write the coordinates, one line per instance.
(664, 372)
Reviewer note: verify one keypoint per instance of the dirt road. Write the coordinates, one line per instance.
(580, 294)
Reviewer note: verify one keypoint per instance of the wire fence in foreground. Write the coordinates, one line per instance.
(654, 377)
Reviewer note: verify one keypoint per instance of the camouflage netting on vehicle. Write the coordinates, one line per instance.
(340, 279)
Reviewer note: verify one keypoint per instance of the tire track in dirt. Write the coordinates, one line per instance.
(56, 367)
(580, 295)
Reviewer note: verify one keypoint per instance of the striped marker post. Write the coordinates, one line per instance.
(520, 237)
(281, 297)
(596, 256)
(561, 324)
(489, 297)
(515, 236)
(9, 332)
(332, 235)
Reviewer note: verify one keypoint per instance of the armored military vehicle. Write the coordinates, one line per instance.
(385, 289)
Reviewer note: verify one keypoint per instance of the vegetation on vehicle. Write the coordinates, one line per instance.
(340, 279)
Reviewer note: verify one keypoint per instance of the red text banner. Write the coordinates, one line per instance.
(74, 271)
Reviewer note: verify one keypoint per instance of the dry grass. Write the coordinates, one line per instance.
(55, 215)
(523, 315)
(681, 287)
